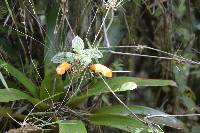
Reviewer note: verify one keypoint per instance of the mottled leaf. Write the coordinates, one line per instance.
(77, 44)
(62, 57)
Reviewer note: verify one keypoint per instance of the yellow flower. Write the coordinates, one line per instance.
(96, 67)
(102, 69)
(107, 72)
(62, 68)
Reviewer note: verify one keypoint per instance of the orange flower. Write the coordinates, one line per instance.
(96, 67)
(62, 68)
(107, 72)
(101, 68)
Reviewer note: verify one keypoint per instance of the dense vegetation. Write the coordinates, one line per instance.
(129, 66)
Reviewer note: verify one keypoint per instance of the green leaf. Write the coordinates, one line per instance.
(72, 126)
(121, 122)
(117, 84)
(127, 86)
(141, 81)
(142, 110)
(3, 81)
(10, 94)
(77, 44)
(21, 78)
